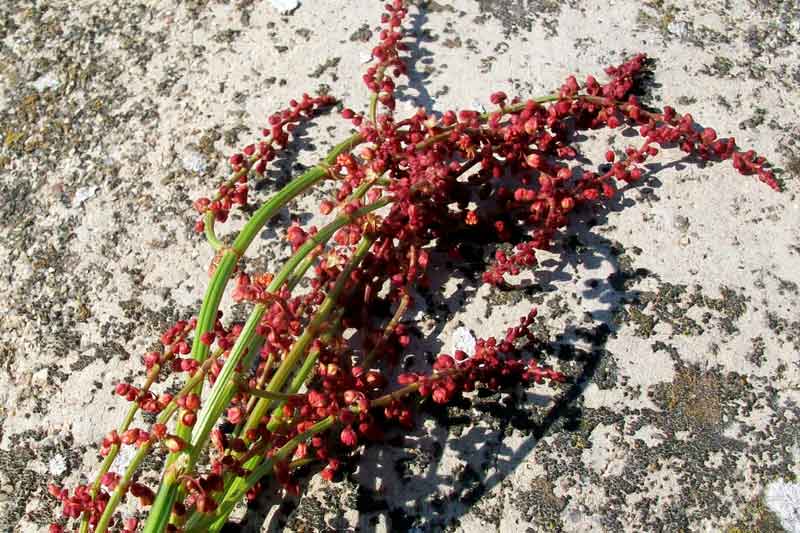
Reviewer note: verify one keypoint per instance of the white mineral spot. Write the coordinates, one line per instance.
(285, 6)
(83, 194)
(39, 379)
(478, 106)
(194, 162)
(784, 500)
(47, 81)
(464, 340)
(365, 56)
(57, 465)
(123, 459)
(681, 29)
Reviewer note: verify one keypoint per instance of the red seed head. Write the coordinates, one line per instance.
(189, 418)
(708, 136)
(348, 437)
(174, 444)
(159, 430)
(326, 207)
(130, 436)
(192, 401)
(235, 415)
(440, 395)
(444, 362)
(498, 98)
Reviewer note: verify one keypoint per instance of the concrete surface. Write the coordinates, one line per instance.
(676, 310)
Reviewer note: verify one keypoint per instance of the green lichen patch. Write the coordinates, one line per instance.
(786, 329)
(678, 306)
(701, 400)
(329, 65)
(363, 34)
(756, 517)
(793, 163)
(720, 67)
(538, 504)
(322, 511)
(518, 16)
(694, 395)
(657, 14)
(731, 306)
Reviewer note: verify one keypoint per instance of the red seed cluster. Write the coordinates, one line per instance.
(421, 193)
(379, 78)
(254, 158)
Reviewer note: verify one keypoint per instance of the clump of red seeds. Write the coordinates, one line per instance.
(505, 177)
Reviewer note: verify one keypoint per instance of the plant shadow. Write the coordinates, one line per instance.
(472, 432)
(391, 483)
(399, 482)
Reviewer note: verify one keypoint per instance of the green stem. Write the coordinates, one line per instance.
(267, 395)
(167, 492)
(208, 228)
(163, 418)
(223, 390)
(300, 347)
(373, 100)
(398, 314)
(262, 381)
(216, 520)
(253, 352)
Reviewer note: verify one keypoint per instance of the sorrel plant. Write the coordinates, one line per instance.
(292, 390)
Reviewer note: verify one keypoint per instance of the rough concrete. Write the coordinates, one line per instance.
(675, 309)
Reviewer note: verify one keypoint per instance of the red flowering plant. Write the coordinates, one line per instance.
(284, 388)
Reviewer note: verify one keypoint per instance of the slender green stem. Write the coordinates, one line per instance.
(398, 314)
(205, 323)
(222, 392)
(301, 345)
(325, 337)
(216, 520)
(253, 351)
(373, 108)
(373, 99)
(168, 488)
(208, 229)
(213, 522)
(267, 395)
(308, 364)
(297, 463)
(196, 448)
(143, 450)
(262, 381)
